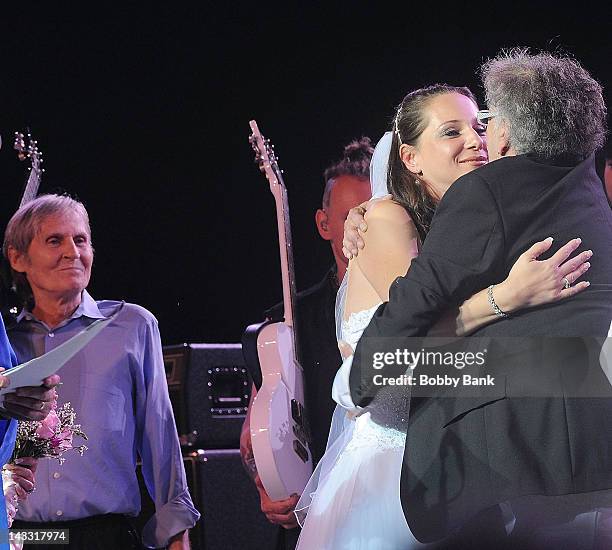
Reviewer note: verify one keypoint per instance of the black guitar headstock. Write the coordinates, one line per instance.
(27, 149)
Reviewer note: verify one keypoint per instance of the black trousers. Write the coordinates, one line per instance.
(110, 531)
(287, 538)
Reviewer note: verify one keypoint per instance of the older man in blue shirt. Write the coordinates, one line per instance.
(116, 385)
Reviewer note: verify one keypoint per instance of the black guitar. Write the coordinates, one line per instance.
(27, 150)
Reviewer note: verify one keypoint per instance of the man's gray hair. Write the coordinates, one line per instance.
(26, 222)
(552, 106)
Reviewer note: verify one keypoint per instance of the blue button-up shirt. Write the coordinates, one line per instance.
(117, 387)
(8, 428)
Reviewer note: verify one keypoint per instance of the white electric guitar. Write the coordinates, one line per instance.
(279, 431)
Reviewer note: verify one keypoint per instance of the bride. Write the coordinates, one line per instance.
(352, 500)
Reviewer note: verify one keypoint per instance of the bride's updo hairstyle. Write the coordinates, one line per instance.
(409, 123)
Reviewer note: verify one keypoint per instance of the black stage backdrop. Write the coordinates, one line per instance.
(143, 113)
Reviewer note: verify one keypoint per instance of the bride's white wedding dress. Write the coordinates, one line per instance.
(352, 501)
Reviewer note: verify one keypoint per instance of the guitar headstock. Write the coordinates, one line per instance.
(20, 146)
(27, 148)
(265, 156)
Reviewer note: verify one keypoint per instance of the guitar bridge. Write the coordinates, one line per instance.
(300, 450)
(299, 432)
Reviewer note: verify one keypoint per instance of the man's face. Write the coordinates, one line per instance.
(347, 192)
(58, 260)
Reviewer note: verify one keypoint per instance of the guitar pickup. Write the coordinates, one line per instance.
(297, 412)
(300, 450)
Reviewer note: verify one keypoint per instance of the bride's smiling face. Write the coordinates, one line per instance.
(452, 144)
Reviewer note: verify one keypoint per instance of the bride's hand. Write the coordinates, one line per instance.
(532, 282)
(354, 225)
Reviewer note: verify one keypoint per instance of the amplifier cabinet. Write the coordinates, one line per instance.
(209, 388)
(229, 504)
(226, 498)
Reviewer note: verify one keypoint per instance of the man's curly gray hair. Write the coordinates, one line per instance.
(552, 106)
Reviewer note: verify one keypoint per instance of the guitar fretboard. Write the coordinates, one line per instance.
(31, 188)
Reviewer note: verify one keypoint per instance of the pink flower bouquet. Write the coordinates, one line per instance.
(50, 437)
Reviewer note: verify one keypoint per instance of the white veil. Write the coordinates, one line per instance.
(379, 165)
(378, 183)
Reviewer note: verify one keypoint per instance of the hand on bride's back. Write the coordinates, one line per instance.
(356, 224)
(532, 282)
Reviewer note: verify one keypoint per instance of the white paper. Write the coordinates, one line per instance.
(33, 372)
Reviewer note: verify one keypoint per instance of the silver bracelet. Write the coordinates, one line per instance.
(495, 307)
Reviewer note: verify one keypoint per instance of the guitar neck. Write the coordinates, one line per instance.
(286, 255)
(286, 259)
(265, 157)
(31, 187)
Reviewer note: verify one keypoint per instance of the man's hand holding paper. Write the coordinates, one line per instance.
(29, 402)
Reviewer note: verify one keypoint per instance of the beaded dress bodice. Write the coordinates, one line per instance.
(384, 421)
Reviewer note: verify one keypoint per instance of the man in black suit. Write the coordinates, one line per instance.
(541, 430)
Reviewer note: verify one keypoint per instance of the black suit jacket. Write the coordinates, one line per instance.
(466, 454)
